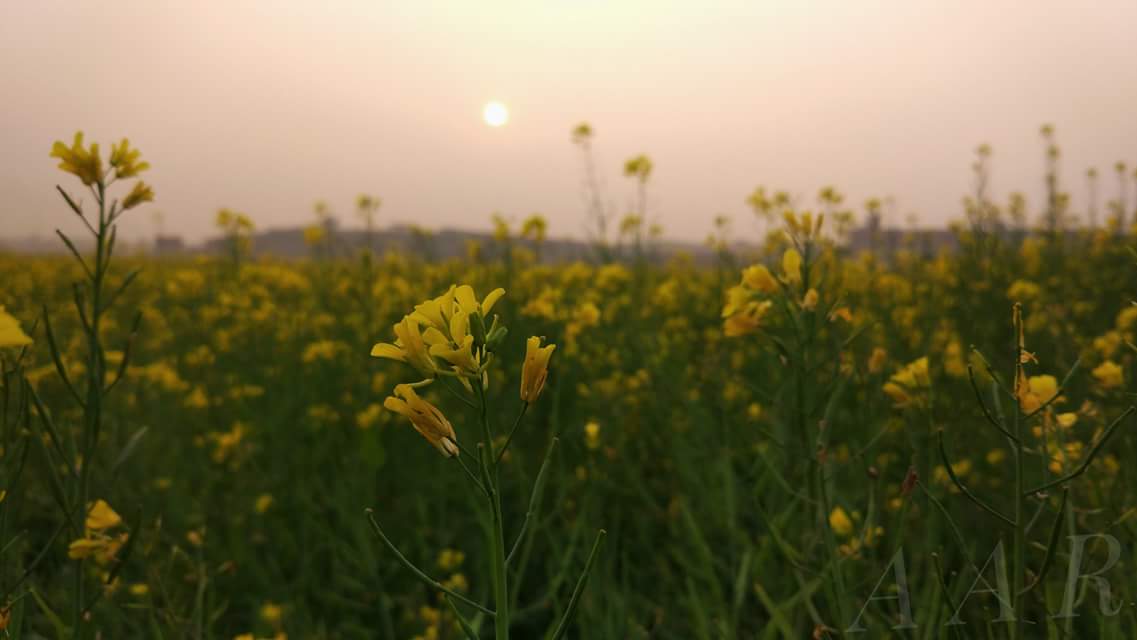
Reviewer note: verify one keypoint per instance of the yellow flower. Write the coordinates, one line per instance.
(877, 359)
(747, 320)
(1067, 420)
(1109, 374)
(411, 345)
(425, 417)
(82, 162)
(754, 411)
(103, 548)
(271, 613)
(840, 522)
(139, 589)
(450, 559)
(809, 302)
(592, 434)
(535, 369)
(101, 517)
(468, 303)
(1037, 391)
(791, 266)
(85, 547)
(263, 502)
(758, 278)
(125, 161)
(141, 192)
(314, 234)
(11, 335)
(909, 385)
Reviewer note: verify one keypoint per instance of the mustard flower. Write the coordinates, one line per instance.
(535, 369)
(11, 335)
(426, 419)
(83, 162)
(1109, 374)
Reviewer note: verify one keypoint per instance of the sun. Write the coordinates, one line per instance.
(495, 114)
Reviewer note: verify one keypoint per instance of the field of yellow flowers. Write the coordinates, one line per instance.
(798, 442)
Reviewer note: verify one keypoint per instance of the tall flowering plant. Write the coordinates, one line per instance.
(450, 341)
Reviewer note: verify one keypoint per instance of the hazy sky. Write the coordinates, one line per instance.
(268, 106)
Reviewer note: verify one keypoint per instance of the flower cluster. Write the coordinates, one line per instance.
(750, 301)
(909, 386)
(98, 540)
(447, 336)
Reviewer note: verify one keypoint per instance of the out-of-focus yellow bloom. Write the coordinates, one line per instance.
(126, 161)
(877, 360)
(103, 548)
(809, 302)
(909, 386)
(592, 434)
(425, 417)
(368, 417)
(139, 589)
(638, 167)
(450, 559)
(754, 411)
(81, 161)
(83, 547)
(1109, 374)
(759, 278)
(791, 266)
(314, 234)
(102, 516)
(1037, 391)
(747, 320)
(271, 613)
(141, 192)
(535, 369)
(1067, 420)
(840, 522)
(11, 335)
(263, 503)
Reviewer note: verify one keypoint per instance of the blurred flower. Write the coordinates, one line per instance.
(1038, 391)
(791, 266)
(758, 278)
(909, 386)
(101, 517)
(1109, 374)
(81, 161)
(126, 161)
(592, 434)
(11, 335)
(840, 522)
(140, 193)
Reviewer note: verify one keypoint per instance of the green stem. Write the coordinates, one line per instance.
(497, 530)
(1019, 564)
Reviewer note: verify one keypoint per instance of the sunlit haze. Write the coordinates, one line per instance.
(268, 107)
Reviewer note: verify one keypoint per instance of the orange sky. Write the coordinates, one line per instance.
(266, 107)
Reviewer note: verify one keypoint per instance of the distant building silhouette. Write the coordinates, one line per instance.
(876, 239)
(169, 245)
